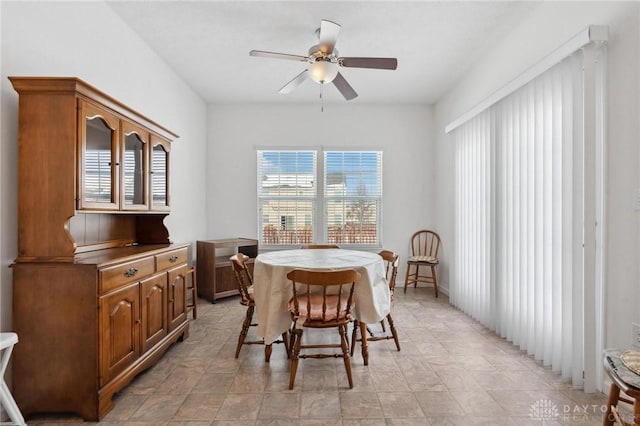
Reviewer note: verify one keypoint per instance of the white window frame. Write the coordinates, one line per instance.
(320, 199)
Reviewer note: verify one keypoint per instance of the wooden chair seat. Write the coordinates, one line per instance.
(335, 309)
(423, 259)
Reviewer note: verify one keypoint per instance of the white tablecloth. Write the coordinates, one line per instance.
(272, 289)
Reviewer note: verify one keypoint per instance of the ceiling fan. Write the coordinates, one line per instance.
(324, 61)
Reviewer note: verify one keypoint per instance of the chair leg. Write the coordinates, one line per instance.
(406, 278)
(245, 329)
(285, 342)
(194, 294)
(364, 344)
(296, 342)
(415, 277)
(10, 405)
(614, 395)
(394, 332)
(267, 352)
(384, 328)
(435, 280)
(354, 336)
(345, 353)
(291, 341)
(6, 398)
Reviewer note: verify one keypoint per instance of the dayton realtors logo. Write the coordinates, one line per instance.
(544, 410)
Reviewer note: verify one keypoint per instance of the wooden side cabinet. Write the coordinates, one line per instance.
(215, 276)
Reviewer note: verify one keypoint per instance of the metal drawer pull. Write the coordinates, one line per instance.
(131, 272)
(173, 259)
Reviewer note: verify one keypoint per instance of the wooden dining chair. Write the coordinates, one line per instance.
(424, 248)
(391, 261)
(320, 246)
(245, 288)
(321, 299)
(624, 389)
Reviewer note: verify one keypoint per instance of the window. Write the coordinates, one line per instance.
(328, 196)
(353, 196)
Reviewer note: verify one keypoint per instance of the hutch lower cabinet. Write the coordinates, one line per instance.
(99, 290)
(87, 328)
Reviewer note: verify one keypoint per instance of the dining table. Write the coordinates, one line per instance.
(272, 290)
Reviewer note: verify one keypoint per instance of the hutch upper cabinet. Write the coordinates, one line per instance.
(99, 291)
(120, 164)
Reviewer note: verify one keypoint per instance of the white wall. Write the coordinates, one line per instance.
(549, 26)
(88, 40)
(403, 132)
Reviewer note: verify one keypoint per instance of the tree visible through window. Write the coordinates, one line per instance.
(334, 198)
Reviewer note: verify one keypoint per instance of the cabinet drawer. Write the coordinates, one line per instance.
(124, 273)
(171, 258)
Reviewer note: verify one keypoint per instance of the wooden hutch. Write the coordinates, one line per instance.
(99, 291)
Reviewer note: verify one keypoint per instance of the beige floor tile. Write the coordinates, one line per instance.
(479, 403)
(360, 405)
(439, 403)
(397, 405)
(158, 407)
(320, 405)
(240, 407)
(200, 407)
(280, 406)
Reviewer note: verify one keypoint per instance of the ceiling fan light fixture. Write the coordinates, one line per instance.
(323, 70)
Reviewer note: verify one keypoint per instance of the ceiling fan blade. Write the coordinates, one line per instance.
(377, 63)
(344, 87)
(328, 36)
(297, 81)
(265, 54)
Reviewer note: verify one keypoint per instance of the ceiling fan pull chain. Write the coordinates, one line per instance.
(321, 98)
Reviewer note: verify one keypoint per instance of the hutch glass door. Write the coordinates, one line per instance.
(159, 174)
(98, 174)
(134, 167)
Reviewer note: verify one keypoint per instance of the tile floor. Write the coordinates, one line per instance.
(450, 371)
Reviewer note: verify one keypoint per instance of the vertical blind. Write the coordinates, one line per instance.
(518, 168)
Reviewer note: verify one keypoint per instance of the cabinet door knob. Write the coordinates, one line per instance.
(131, 272)
(173, 259)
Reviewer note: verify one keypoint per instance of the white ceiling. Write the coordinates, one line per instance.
(208, 42)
